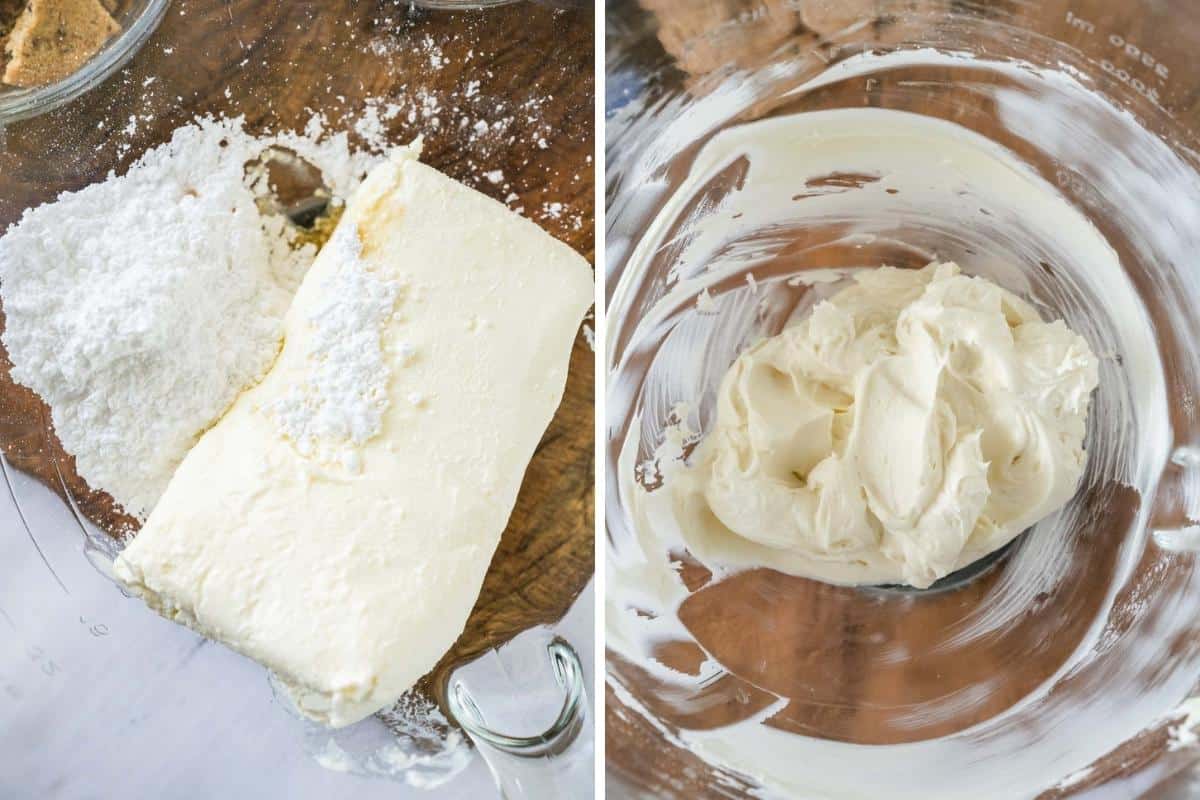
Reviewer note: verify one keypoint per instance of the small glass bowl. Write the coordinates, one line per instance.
(137, 19)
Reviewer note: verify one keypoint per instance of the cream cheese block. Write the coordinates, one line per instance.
(336, 524)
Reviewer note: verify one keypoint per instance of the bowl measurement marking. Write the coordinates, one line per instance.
(1126, 49)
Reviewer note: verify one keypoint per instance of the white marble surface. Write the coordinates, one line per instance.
(97, 692)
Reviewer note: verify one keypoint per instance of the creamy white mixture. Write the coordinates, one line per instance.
(344, 544)
(704, 277)
(913, 423)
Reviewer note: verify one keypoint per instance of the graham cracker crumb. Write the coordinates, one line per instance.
(9, 11)
(53, 38)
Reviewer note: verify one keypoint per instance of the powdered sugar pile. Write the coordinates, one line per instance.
(343, 398)
(139, 307)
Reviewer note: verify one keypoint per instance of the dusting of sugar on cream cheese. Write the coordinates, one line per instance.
(340, 403)
(350, 584)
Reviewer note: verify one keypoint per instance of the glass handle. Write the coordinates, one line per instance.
(503, 701)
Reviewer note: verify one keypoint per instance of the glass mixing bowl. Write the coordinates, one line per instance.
(1058, 666)
(137, 19)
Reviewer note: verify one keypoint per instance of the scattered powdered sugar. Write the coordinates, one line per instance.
(370, 124)
(427, 749)
(342, 400)
(334, 758)
(434, 52)
(412, 741)
(139, 307)
(484, 126)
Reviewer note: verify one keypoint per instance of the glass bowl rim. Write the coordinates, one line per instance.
(25, 103)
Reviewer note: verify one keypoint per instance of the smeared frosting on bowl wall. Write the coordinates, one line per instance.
(726, 233)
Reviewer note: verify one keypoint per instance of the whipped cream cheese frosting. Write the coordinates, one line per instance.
(911, 424)
(943, 192)
(344, 550)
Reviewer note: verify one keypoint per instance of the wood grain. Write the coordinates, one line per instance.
(524, 71)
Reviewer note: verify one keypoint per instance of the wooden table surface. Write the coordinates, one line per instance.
(524, 70)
